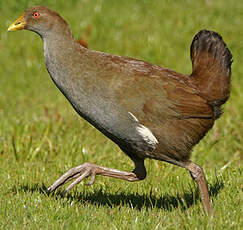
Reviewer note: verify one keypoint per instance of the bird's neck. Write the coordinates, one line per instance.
(56, 44)
(59, 51)
(65, 59)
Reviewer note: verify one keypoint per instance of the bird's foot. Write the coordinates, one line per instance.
(85, 170)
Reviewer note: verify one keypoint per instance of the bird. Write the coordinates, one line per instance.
(147, 110)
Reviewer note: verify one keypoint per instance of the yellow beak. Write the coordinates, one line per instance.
(18, 24)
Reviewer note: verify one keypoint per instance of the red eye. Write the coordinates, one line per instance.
(36, 14)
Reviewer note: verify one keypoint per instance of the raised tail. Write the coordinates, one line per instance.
(211, 68)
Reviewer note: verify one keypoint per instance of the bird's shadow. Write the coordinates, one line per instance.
(135, 201)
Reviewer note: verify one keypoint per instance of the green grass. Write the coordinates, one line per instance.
(41, 136)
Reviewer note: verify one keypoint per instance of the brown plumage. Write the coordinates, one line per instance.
(147, 110)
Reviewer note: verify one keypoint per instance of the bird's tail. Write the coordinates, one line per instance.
(211, 64)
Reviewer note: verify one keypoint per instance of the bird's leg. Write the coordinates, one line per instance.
(91, 170)
(198, 175)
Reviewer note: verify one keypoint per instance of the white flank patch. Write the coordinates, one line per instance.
(145, 133)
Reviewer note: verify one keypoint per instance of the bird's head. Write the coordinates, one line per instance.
(39, 19)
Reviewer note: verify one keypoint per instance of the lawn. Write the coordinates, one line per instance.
(41, 136)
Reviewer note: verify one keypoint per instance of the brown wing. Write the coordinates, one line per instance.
(160, 96)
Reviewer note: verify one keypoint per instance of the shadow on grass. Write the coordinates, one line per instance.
(135, 201)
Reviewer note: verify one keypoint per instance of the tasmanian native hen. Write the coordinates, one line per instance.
(147, 110)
